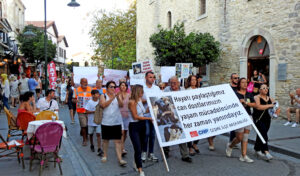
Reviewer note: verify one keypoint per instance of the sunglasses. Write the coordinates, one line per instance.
(265, 88)
(236, 78)
(112, 87)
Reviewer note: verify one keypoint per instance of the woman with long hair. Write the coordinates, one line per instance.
(71, 104)
(192, 83)
(262, 120)
(112, 122)
(137, 124)
(242, 134)
(27, 103)
(6, 90)
(124, 96)
(14, 91)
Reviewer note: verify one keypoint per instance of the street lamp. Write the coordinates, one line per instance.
(29, 33)
(73, 3)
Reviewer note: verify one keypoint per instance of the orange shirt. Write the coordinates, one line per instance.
(83, 97)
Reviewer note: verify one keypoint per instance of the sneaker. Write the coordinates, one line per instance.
(122, 163)
(124, 152)
(259, 154)
(100, 152)
(144, 156)
(211, 148)
(287, 123)
(92, 148)
(269, 156)
(142, 173)
(295, 125)
(103, 159)
(228, 150)
(187, 159)
(246, 159)
(152, 157)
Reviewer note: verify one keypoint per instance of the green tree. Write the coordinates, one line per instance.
(33, 47)
(114, 36)
(174, 46)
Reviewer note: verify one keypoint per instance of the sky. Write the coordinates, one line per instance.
(74, 23)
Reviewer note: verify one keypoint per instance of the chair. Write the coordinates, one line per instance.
(7, 150)
(48, 139)
(46, 115)
(23, 119)
(13, 129)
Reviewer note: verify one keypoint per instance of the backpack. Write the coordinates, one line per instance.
(98, 115)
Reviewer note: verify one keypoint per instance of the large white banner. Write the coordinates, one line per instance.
(91, 73)
(184, 116)
(113, 75)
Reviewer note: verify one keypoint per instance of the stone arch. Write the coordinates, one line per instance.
(273, 61)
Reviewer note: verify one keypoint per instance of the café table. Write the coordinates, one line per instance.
(33, 126)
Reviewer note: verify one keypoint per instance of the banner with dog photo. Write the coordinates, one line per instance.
(189, 115)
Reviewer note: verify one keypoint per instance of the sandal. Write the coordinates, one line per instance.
(196, 149)
(84, 143)
(191, 152)
(103, 159)
(124, 152)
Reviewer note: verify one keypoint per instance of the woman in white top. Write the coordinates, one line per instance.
(112, 122)
(38, 87)
(14, 91)
(63, 91)
(5, 90)
(137, 124)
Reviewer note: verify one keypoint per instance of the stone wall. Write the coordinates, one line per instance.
(232, 22)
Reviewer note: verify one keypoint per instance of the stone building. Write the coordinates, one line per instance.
(254, 34)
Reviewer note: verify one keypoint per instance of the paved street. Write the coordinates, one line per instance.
(78, 160)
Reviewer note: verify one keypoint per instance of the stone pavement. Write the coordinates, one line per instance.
(78, 160)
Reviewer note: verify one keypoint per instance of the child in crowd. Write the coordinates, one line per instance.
(92, 127)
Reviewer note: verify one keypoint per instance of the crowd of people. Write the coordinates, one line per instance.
(125, 109)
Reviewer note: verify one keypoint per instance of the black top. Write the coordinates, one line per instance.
(258, 113)
(234, 89)
(248, 97)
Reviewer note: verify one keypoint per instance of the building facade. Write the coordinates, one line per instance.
(59, 40)
(254, 35)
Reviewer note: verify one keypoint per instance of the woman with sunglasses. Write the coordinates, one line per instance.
(192, 83)
(112, 122)
(124, 96)
(241, 135)
(137, 124)
(262, 120)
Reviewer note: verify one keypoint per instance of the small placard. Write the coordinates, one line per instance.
(282, 72)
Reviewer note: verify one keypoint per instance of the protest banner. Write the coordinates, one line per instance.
(90, 73)
(52, 75)
(136, 79)
(142, 67)
(183, 70)
(166, 73)
(189, 115)
(113, 75)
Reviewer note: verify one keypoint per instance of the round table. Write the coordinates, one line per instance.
(33, 126)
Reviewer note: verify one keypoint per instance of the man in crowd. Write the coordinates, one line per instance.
(149, 86)
(81, 96)
(32, 84)
(295, 102)
(48, 102)
(23, 84)
(175, 86)
(234, 78)
(99, 87)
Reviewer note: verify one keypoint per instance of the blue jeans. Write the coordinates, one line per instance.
(5, 102)
(137, 135)
(149, 136)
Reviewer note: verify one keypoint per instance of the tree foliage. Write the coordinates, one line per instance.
(174, 46)
(114, 36)
(33, 47)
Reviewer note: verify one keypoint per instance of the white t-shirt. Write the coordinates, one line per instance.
(24, 85)
(43, 104)
(91, 106)
(154, 89)
(112, 114)
(298, 98)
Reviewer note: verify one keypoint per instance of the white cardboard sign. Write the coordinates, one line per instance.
(90, 73)
(136, 79)
(166, 73)
(113, 75)
(189, 115)
(142, 67)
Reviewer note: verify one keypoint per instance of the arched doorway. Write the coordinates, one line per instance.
(258, 57)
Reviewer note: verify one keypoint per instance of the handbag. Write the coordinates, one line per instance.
(98, 115)
(250, 87)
